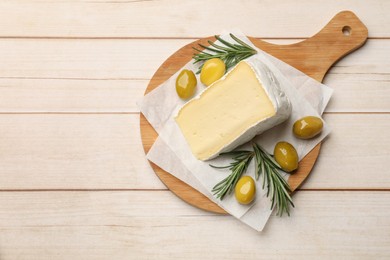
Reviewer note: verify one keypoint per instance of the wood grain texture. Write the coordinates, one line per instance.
(52, 151)
(74, 181)
(103, 59)
(27, 95)
(145, 225)
(127, 59)
(177, 18)
(313, 56)
(104, 151)
(30, 81)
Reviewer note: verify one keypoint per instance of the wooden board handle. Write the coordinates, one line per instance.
(314, 56)
(342, 35)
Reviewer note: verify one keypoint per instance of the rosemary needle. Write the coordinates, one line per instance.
(230, 53)
(241, 161)
(277, 187)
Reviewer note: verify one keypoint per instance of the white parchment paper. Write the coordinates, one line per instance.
(171, 152)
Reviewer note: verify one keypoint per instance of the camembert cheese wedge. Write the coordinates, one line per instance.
(244, 103)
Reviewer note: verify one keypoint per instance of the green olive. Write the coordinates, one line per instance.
(286, 156)
(245, 190)
(212, 70)
(186, 84)
(308, 127)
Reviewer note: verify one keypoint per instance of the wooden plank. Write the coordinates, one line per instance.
(104, 151)
(96, 75)
(67, 95)
(354, 153)
(123, 18)
(145, 225)
(84, 59)
(73, 152)
(359, 92)
(135, 59)
(354, 92)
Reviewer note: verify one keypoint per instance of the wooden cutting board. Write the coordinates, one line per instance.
(314, 56)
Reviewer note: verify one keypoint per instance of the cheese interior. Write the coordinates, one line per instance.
(224, 111)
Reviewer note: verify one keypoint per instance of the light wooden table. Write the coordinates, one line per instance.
(74, 181)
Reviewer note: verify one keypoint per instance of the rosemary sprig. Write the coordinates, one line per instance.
(230, 53)
(277, 187)
(266, 166)
(241, 161)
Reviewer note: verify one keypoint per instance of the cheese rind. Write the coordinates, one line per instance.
(245, 102)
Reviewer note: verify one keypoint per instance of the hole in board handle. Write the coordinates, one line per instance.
(346, 30)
